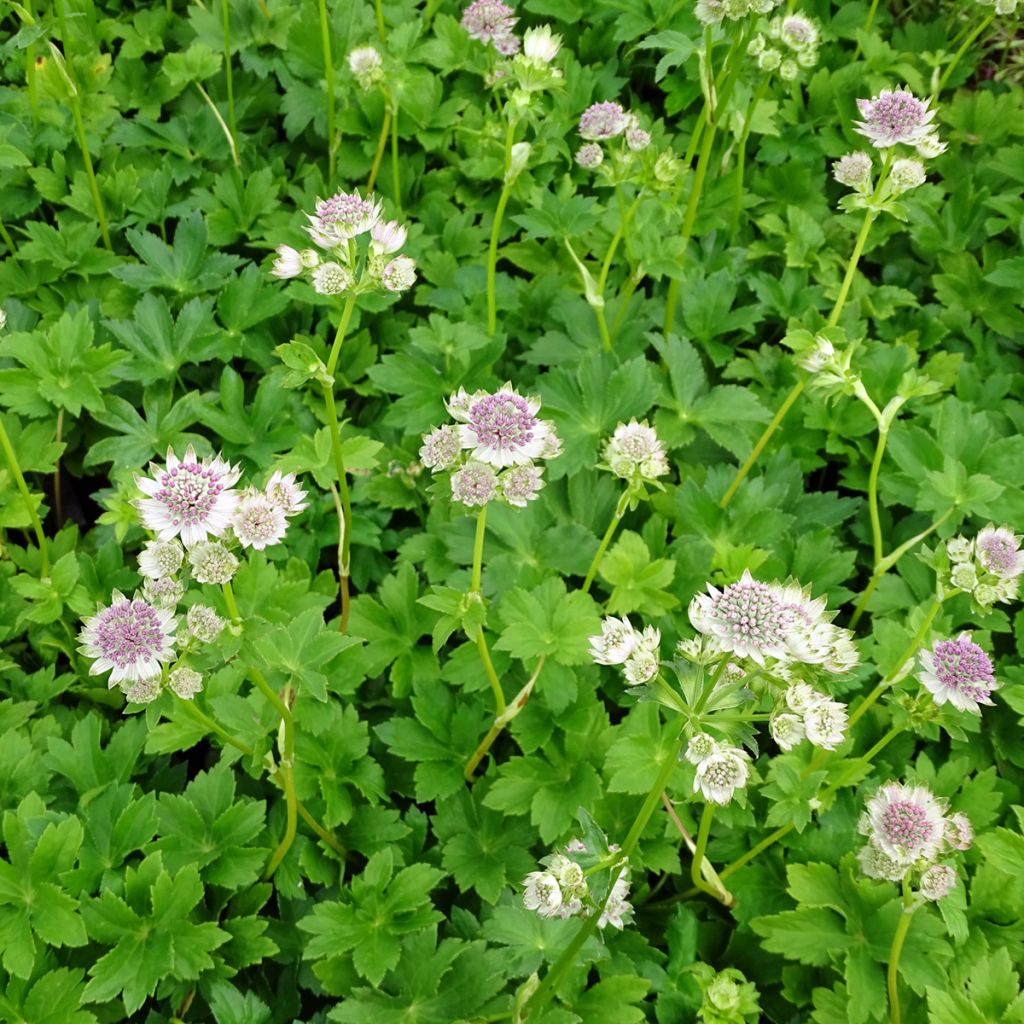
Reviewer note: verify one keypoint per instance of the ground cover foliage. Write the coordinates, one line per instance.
(413, 602)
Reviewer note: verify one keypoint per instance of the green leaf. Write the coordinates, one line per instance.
(547, 621)
(638, 581)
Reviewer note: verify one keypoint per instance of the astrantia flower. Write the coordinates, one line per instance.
(184, 681)
(854, 170)
(258, 522)
(387, 237)
(367, 65)
(502, 429)
(212, 563)
(748, 618)
(399, 275)
(998, 550)
(345, 215)
(958, 671)
(145, 691)
(590, 156)
(616, 643)
(475, 484)
(798, 31)
(521, 484)
(825, 724)
(283, 490)
(721, 774)
(904, 822)
(288, 263)
(877, 864)
(787, 730)
(637, 139)
(618, 908)
(893, 117)
(203, 623)
(700, 747)
(441, 448)
(906, 175)
(131, 639)
(801, 697)
(542, 893)
(959, 831)
(489, 21)
(541, 44)
(603, 121)
(332, 279)
(188, 498)
(641, 667)
(635, 451)
(164, 593)
(937, 881)
(160, 559)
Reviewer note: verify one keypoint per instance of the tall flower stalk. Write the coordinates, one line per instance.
(229, 79)
(325, 43)
(30, 506)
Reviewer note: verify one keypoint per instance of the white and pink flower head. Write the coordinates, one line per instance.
(131, 639)
(341, 217)
(502, 429)
(283, 490)
(907, 823)
(893, 117)
(603, 121)
(960, 672)
(189, 498)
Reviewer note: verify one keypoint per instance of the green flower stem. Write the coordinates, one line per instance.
(516, 705)
(965, 46)
(474, 588)
(334, 427)
(396, 174)
(5, 235)
(892, 974)
(545, 990)
(232, 605)
(754, 851)
(697, 864)
(889, 561)
(711, 876)
(229, 77)
(620, 511)
(382, 142)
(325, 39)
(621, 236)
(741, 154)
(228, 134)
(876, 520)
(68, 72)
(499, 214)
(30, 68)
(866, 27)
(381, 27)
(19, 479)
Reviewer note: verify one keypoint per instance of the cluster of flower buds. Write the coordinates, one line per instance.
(197, 515)
(367, 66)
(989, 567)
(719, 768)
(908, 831)
(774, 624)
(826, 358)
(601, 122)
(561, 889)
(714, 12)
(791, 43)
(958, 672)
(635, 454)
(620, 644)
(493, 448)
(335, 227)
(808, 714)
(728, 998)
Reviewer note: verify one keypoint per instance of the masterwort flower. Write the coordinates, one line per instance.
(343, 216)
(895, 116)
(877, 864)
(700, 747)
(634, 452)
(854, 170)
(283, 490)
(475, 484)
(589, 156)
(212, 562)
(441, 447)
(490, 21)
(541, 44)
(616, 643)
(399, 274)
(603, 121)
(502, 429)
(520, 484)
(905, 822)
(160, 559)
(332, 279)
(719, 775)
(132, 639)
(258, 522)
(203, 623)
(825, 724)
(937, 882)
(959, 831)
(998, 550)
(367, 65)
(543, 893)
(188, 498)
(184, 681)
(958, 671)
(787, 730)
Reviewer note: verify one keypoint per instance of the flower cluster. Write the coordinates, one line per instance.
(620, 644)
(908, 830)
(791, 44)
(989, 567)
(728, 998)
(634, 453)
(720, 768)
(334, 227)
(828, 363)
(561, 890)
(491, 21)
(713, 12)
(808, 714)
(960, 672)
(493, 448)
(367, 66)
(773, 621)
(601, 122)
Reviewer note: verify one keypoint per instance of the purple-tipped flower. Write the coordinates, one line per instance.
(521, 484)
(399, 275)
(502, 429)
(998, 550)
(188, 498)
(288, 263)
(258, 522)
(475, 484)
(490, 21)
(893, 117)
(345, 215)
(959, 831)
(283, 490)
(387, 237)
(958, 671)
(441, 448)
(616, 643)
(130, 639)
(590, 156)
(937, 881)
(905, 822)
(603, 121)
